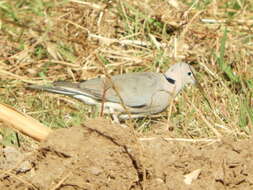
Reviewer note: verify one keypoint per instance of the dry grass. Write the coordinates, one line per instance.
(45, 41)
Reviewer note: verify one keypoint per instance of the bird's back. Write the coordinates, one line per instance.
(135, 89)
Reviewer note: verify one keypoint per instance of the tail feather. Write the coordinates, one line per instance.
(65, 84)
(54, 89)
(59, 87)
(66, 88)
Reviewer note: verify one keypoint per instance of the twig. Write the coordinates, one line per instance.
(215, 21)
(171, 103)
(59, 62)
(92, 5)
(126, 42)
(153, 39)
(179, 139)
(61, 181)
(204, 119)
(17, 77)
(188, 24)
(211, 21)
(115, 89)
(18, 178)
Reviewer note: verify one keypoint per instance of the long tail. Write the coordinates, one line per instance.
(66, 88)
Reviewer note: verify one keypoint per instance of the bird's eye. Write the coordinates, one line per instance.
(189, 73)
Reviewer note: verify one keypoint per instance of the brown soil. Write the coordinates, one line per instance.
(100, 155)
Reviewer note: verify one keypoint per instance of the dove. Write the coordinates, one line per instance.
(130, 95)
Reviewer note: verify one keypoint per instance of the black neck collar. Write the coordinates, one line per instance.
(170, 80)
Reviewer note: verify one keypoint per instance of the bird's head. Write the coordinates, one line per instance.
(182, 74)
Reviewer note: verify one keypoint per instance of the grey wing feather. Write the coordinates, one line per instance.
(135, 89)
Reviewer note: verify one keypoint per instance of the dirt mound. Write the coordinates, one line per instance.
(222, 165)
(99, 155)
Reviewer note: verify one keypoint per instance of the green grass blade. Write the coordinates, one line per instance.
(221, 62)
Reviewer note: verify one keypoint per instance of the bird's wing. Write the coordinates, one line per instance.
(135, 89)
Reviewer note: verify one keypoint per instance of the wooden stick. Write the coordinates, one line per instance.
(23, 123)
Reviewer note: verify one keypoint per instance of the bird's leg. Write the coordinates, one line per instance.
(115, 118)
(114, 115)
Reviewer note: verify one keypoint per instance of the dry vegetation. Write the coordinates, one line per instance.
(44, 41)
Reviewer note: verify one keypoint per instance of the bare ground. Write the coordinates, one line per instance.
(100, 155)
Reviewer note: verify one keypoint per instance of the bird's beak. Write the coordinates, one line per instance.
(194, 78)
